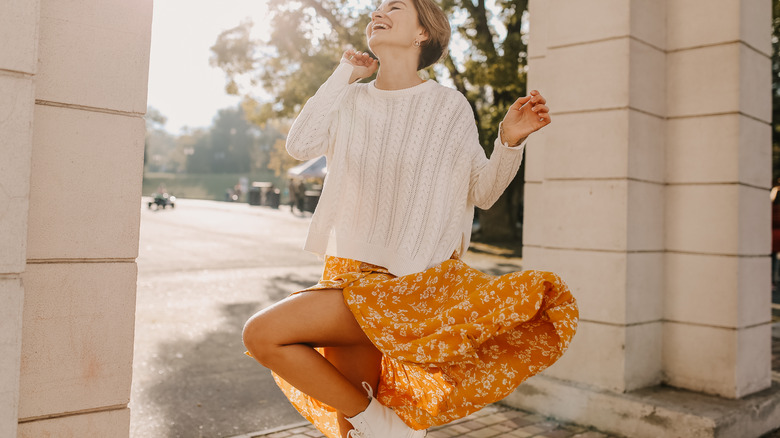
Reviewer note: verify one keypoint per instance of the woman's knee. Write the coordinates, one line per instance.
(259, 339)
(327, 322)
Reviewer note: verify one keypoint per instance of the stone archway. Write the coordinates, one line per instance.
(666, 84)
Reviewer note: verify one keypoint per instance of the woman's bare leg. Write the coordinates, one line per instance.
(358, 364)
(283, 337)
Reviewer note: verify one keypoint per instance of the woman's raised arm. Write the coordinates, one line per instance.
(490, 177)
(310, 134)
(527, 115)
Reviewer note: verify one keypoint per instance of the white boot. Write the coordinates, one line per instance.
(379, 421)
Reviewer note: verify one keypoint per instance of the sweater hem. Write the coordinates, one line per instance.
(398, 264)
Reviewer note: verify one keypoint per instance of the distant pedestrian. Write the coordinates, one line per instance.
(297, 194)
(399, 334)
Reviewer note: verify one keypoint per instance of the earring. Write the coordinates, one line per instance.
(416, 43)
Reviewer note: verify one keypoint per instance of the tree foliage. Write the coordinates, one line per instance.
(160, 152)
(230, 146)
(305, 44)
(307, 38)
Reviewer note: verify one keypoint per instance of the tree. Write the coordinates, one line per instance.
(160, 153)
(308, 37)
(305, 44)
(231, 145)
(231, 142)
(492, 77)
(279, 161)
(196, 143)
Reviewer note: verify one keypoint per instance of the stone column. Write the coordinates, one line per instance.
(717, 332)
(84, 215)
(649, 194)
(19, 33)
(595, 182)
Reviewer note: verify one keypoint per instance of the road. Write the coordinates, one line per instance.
(203, 269)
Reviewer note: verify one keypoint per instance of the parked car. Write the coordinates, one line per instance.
(162, 200)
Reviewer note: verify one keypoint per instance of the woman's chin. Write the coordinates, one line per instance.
(378, 44)
(374, 41)
(374, 46)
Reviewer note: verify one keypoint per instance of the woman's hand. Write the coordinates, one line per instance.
(528, 114)
(365, 65)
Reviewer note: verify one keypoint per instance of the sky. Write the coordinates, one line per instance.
(182, 84)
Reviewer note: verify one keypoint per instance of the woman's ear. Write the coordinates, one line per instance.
(422, 35)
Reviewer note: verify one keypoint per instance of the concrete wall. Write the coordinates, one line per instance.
(649, 193)
(73, 81)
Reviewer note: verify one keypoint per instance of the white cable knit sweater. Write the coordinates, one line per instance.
(405, 170)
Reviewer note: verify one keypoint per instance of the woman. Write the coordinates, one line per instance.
(397, 314)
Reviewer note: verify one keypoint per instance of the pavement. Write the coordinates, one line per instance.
(492, 421)
(203, 269)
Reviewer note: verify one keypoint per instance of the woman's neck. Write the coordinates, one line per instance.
(397, 75)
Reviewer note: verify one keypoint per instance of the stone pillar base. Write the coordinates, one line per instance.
(659, 411)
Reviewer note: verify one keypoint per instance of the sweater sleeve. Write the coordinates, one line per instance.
(310, 133)
(490, 177)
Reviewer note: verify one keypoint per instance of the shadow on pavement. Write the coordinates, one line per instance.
(502, 268)
(281, 286)
(208, 387)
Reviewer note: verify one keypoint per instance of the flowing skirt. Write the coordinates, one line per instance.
(453, 339)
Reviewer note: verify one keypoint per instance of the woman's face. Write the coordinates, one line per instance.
(394, 23)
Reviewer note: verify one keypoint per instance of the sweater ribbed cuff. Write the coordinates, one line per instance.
(520, 146)
(342, 73)
(499, 145)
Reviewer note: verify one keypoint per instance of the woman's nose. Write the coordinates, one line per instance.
(376, 14)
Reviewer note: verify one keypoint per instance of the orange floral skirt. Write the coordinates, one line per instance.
(453, 339)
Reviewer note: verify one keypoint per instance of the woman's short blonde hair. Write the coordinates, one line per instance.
(435, 23)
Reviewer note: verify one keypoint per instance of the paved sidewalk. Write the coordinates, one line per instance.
(492, 421)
